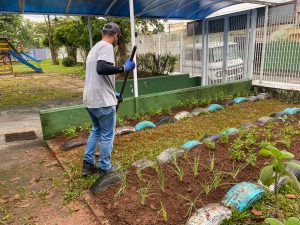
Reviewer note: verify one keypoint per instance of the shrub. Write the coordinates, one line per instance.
(69, 61)
(156, 64)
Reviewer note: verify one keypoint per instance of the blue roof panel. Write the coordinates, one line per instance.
(171, 9)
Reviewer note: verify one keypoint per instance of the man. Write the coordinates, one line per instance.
(100, 99)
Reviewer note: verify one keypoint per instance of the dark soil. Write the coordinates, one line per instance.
(128, 210)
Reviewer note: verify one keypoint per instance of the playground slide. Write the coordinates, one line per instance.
(30, 57)
(18, 57)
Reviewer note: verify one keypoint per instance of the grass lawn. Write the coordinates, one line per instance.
(47, 67)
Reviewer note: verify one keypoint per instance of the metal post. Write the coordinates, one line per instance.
(264, 44)
(181, 53)
(252, 43)
(246, 47)
(225, 49)
(204, 80)
(132, 28)
(193, 64)
(90, 31)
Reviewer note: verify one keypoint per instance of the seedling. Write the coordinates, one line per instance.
(178, 168)
(270, 174)
(161, 177)
(212, 163)
(207, 188)
(190, 203)
(196, 165)
(235, 172)
(236, 151)
(123, 185)
(251, 157)
(211, 145)
(216, 180)
(144, 193)
(163, 212)
(250, 140)
(225, 138)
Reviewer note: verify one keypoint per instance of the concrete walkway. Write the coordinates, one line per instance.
(32, 183)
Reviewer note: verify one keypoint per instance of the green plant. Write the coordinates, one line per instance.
(224, 138)
(123, 185)
(287, 141)
(212, 163)
(235, 172)
(207, 187)
(250, 140)
(178, 168)
(144, 193)
(236, 152)
(161, 177)
(163, 211)
(216, 182)
(251, 157)
(195, 166)
(190, 203)
(69, 61)
(289, 221)
(270, 174)
(211, 145)
(85, 127)
(70, 132)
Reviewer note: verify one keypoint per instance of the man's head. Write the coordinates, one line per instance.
(111, 33)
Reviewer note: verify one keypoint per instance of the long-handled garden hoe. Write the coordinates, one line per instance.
(126, 77)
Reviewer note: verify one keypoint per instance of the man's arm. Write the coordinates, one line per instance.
(107, 68)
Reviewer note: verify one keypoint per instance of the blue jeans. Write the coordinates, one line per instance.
(104, 123)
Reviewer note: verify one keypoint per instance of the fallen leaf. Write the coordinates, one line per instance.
(24, 206)
(291, 196)
(256, 212)
(15, 179)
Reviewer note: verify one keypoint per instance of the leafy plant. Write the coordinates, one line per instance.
(144, 193)
(250, 140)
(178, 168)
(69, 61)
(85, 127)
(70, 132)
(289, 221)
(195, 166)
(251, 157)
(224, 138)
(236, 151)
(207, 187)
(216, 182)
(163, 211)
(235, 172)
(212, 163)
(270, 174)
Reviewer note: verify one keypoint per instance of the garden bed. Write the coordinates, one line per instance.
(218, 172)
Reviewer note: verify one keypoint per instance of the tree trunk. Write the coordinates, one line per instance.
(53, 50)
(72, 51)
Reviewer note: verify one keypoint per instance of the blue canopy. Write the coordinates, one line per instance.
(169, 9)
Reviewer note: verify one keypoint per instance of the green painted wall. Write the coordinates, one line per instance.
(159, 84)
(56, 120)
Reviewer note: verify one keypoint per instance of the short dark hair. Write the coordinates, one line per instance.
(108, 33)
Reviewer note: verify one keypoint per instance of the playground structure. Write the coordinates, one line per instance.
(8, 54)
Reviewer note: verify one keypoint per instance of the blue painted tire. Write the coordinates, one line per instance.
(214, 107)
(243, 195)
(144, 125)
(190, 145)
(291, 111)
(240, 99)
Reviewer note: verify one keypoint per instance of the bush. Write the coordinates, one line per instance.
(156, 64)
(69, 61)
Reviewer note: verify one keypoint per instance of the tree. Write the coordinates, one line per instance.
(52, 45)
(18, 30)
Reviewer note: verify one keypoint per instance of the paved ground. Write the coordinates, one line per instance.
(32, 183)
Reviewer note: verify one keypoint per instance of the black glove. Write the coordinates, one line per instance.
(119, 97)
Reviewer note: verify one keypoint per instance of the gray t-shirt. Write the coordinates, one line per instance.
(99, 90)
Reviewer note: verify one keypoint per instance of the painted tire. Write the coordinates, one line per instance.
(106, 181)
(190, 145)
(214, 107)
(240, 100)
(183, 115)
(164, 120)
(242, 195)
(144, 125)
(199, 111)
(291, 111)
(167, 154)
(230, 131)
(124, 130)
(143, 163)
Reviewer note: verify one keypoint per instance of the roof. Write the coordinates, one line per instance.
(169, 9)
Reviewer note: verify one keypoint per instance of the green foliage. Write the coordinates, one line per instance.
(289, 221)
(195, 166)
(211, 145)
(156, 64)
(276, 169)
(69, 61)
(144, 193)
(224, 138)
(161, 177)
(70, 132)
(163, 212)
(236, 150)
(18, 30)
(190, 203)
(178, 168)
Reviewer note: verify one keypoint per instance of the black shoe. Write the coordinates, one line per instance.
(88, 168)
(113, 169)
